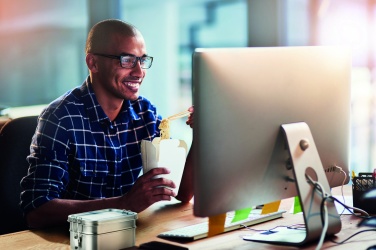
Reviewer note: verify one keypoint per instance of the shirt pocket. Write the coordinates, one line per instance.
(93, 168)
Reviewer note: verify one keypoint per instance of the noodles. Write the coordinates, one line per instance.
(165, 129)
(165, 124)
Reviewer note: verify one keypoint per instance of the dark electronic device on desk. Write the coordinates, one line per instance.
(252, 102)
(157, 245)
(364, 196)
(364, 192)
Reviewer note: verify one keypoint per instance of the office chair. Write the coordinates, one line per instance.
(15, 139)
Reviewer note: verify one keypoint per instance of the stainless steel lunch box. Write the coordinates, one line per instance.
(103, 229)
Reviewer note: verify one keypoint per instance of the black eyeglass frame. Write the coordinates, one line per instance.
(138, 58)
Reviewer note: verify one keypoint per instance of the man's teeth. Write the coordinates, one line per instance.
(131, 84)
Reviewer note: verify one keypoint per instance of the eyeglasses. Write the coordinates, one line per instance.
(129, 61)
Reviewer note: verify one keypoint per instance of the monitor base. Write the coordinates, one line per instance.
(280, 236)
(305, 161)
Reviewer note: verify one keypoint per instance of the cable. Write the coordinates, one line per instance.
(342, 242)
(324, 212)
(323, 208)
(366, 215)
(293, 227)
(339, 169)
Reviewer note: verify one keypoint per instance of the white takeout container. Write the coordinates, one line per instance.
(103, 229)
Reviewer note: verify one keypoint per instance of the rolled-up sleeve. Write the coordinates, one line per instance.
(48, 176)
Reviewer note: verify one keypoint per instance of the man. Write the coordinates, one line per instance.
(85, 154)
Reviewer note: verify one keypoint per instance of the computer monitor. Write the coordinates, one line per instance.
(242, 97)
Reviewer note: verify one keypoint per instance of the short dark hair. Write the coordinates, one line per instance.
(100, 32)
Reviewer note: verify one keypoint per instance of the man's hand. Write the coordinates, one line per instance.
(148, 189)
(190, 117)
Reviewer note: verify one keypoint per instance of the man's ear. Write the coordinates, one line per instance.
(91, 63)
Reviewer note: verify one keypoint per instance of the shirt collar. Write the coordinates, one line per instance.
(95, 111)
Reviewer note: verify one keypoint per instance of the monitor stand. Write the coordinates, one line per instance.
(305, 160)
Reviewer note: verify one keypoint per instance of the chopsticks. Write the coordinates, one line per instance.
(179, 115)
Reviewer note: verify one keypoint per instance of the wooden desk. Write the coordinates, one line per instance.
(167, 216)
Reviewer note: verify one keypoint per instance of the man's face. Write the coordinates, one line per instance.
(113, 81)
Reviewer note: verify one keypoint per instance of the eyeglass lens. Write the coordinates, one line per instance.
(129, 61)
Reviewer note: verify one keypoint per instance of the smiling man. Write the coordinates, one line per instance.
(85, 154)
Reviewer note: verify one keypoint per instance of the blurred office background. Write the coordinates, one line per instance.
(42, 48)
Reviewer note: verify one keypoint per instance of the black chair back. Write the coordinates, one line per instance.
(15, 139)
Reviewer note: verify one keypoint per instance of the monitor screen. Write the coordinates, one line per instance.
(242, 96)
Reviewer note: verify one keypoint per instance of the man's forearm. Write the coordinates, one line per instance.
(55, 212)
(186, 185)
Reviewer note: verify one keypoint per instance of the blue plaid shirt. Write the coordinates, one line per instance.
(78, 153)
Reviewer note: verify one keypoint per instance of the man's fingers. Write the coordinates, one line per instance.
(162, 182)
(163, 191)
(157, 171)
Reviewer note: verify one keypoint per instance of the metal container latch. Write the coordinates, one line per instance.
(77, 225)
